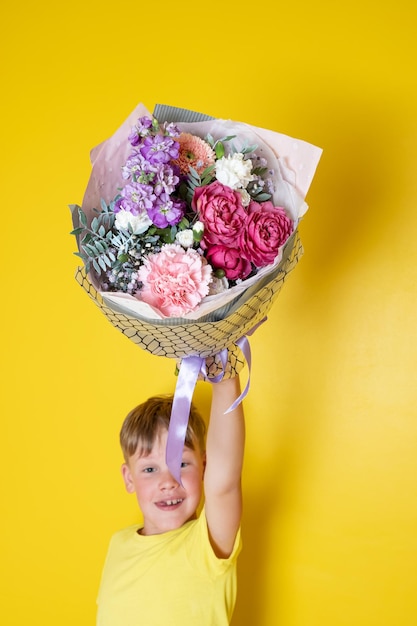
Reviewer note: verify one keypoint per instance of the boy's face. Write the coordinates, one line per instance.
(165, 504)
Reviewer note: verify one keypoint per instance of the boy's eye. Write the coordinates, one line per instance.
(149, 470)
(184, 464)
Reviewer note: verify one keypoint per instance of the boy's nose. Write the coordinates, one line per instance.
(168, 481)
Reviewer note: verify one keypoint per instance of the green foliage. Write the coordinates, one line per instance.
(96, 241)
(194, 179)
(218, 146)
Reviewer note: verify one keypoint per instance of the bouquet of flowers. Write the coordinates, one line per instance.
(188, 230)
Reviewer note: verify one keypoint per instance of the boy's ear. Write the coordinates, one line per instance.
(127, 477)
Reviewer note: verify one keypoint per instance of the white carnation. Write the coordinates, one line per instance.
(185, 238)
(138, 223)
(234, 171)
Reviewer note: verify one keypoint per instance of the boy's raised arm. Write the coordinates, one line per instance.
(222, 479)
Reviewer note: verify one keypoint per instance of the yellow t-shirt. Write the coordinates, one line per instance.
(172, 579)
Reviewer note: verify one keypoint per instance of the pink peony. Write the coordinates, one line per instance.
(267, 229)
(174, 280)
(230, 260)
(221, 211)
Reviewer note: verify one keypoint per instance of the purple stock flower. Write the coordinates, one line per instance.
(138, 168)
(166, 211)
(165, 180)
(135, 198)
(159, 149)
(141, 129)
(172, 130)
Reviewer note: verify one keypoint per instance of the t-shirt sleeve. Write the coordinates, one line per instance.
(200, 552)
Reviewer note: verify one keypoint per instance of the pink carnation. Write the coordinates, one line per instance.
(221, 211)
(267, 229)
(174, 280)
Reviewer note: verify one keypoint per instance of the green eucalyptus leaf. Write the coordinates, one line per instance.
(184, 223)
(108, 220)
(100, 246)
(206, 180)
(94, 225)
(82, 218)
(77, 231)
(90, 250)
(96, 267)
(219, 150)
(246, 149)
(87, 238)
(259, 171)
(194, 174)
(208, 170)
(262, 197)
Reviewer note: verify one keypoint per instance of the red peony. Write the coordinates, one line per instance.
(230, 260)
(221, 211)
(267, 229)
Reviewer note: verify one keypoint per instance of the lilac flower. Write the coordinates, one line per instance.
(172, 130)
(142, 129)
(134, 164)
(159, 149)
(138, 169)
(165, 180)
(135, 198)
(166, 211)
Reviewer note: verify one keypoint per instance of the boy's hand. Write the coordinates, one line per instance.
(234, 365)
(214, 367)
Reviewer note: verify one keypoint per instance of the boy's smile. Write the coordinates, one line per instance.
(165, 504)
(169, 504)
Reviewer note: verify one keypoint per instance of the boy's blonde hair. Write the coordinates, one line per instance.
(143, 424)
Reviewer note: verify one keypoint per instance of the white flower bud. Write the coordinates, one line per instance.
(198, 227)
(185, 238)
(245, 197)
(218, 285)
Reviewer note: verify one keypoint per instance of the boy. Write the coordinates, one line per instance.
(179, 568)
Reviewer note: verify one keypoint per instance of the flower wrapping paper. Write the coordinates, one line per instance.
(224, 318)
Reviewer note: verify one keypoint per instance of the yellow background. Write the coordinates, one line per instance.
(331, 465)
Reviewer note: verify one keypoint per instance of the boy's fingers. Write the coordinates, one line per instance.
(214, 365)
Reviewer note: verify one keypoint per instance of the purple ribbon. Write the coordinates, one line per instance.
(191, 366)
